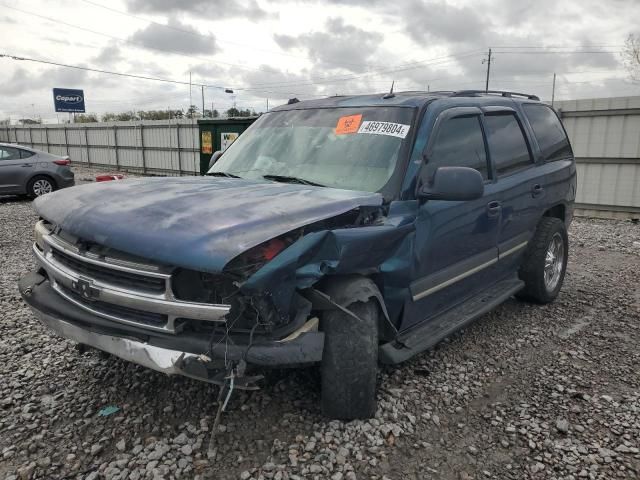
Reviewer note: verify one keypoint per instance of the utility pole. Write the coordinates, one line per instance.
(190, 100)
(488, 62)
(267, 104)
(202, 101)
(553, 90)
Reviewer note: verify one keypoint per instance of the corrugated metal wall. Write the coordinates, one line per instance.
(169, 148)
(605, 134)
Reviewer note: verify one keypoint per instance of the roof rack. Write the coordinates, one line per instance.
(475, 93)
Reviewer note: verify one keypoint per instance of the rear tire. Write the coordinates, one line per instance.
(350, 362)
(40, 185)
(545, 262)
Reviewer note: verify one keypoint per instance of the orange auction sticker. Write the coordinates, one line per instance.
(348, 124)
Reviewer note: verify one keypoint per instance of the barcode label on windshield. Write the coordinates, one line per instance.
(385, 128)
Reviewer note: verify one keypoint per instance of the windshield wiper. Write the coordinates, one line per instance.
(291, 179)
(222, 174)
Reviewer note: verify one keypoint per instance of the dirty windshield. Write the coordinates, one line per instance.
(355, 148)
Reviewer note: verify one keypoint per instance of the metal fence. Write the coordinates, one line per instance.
(154, 147)
(605, 134)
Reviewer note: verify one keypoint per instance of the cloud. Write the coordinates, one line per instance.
(24, 81)
(109, 55)
(175, 36)
(272, 82)
(440, 21)
(211, 9)
(339, 45)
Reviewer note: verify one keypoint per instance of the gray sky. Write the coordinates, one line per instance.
(281, 49)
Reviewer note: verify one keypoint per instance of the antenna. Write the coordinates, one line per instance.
(390, 94)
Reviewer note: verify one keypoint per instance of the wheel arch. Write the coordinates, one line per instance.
(558, 211)
(347, 289)
(40, 174)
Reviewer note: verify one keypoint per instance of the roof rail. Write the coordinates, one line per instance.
(474, 93)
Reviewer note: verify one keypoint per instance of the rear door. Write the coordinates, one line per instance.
(13, 170)
(520, 186)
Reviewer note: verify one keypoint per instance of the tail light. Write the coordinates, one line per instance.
(62, 161)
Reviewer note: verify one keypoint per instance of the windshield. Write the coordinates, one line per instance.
(350, 148)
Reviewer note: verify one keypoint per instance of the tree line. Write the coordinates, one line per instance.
(191, 112)
(168, 114)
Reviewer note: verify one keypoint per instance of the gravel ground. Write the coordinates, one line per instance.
(528, 391)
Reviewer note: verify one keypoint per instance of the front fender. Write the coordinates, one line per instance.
(384, 250)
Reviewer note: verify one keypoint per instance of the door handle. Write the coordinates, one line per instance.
(494, 208)
(537, 190)
(27, 165)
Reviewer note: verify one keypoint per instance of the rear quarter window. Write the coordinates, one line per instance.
(9, 153)
(548, 131)
(26, 153)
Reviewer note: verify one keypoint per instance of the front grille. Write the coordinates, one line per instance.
(117, 278)
(118, 311)
(117, 286)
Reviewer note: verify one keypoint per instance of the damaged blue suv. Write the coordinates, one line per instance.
(340, 232)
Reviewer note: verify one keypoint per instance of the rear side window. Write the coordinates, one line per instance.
(9, 153)
(507, 143)
(548, 131)
(459, 143)
(26, 154)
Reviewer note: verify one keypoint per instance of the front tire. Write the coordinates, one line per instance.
(40, 185)
(545, 262)
(350, 362)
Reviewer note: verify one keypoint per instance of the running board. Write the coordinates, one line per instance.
(434, 330)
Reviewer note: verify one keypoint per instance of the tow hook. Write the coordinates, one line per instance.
(29, 282)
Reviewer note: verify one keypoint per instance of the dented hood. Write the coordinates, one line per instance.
(194, 222)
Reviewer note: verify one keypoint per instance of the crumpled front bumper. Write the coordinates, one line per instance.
(170, 354)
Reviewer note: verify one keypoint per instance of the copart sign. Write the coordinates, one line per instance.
(68, 100)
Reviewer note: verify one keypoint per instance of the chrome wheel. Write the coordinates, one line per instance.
(554, 262)
(42, 186)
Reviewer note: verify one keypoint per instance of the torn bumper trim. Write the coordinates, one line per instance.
(168, 354)
(157, 358)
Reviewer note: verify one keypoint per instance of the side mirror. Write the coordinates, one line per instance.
(214, 158)
(453, 183)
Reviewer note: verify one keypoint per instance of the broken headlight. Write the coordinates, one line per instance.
(249, 262)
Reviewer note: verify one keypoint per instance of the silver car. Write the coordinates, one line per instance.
(25, 171)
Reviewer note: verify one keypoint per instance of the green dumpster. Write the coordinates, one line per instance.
(218, 134)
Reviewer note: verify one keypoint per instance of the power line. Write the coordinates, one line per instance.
(409, 66)
(97, 70)
(312, 82)
(131, 75)
(560, 46)
(560, 52)
(412, 66)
